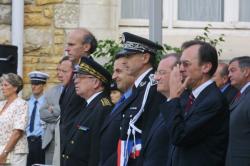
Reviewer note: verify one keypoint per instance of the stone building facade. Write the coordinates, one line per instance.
(46, 23)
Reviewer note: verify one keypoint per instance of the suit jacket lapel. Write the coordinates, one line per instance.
(200, 97)
(157, 123)
(118, 111)
(135, 92)
(67, 94)
(85, 114)
(237, 102)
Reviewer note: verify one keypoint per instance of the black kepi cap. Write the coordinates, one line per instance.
(91, 67)
(133, 44)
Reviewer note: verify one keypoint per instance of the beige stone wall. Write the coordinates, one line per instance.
(45, 25)
(43, 41)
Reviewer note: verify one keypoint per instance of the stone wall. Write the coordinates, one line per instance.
(45, 26)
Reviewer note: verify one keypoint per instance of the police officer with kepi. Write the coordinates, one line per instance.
(139, 113)
(92, 83)
(35, 130)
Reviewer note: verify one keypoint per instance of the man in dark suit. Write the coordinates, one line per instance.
(155, 150)
(222, 81)
(82, 143)
(81, 43)
(137, 113)
(239, 144)
(110, 130)
(199, 129)
(65, 71)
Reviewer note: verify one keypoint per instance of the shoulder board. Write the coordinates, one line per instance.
(105, 102)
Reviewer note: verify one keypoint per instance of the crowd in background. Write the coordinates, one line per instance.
(192, 109)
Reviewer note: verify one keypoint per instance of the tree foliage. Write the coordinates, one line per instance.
(206, 37)
(109, 48)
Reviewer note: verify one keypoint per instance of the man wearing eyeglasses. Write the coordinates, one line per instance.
(92, 83)
(155, 150)
(199, 129)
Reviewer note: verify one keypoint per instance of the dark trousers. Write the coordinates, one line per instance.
(36, 154)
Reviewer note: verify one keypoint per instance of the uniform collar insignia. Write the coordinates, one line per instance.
(152, 80)
(142, 83)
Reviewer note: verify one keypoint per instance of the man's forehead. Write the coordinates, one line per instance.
(120, 62)
(234, 64)
(165, 66)
(190, 52)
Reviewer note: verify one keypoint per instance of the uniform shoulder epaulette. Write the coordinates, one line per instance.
(106, 102)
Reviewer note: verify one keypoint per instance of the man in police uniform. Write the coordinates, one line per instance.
(35, 130)
(92, 83)
(138, 114)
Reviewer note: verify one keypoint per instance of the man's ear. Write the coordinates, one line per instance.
(96, 83)
(146, 57)
(206, 67)
(225, 79)
(86, 47)
(246, 72)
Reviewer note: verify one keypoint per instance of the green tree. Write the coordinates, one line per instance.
(206, 37)
(109, 48)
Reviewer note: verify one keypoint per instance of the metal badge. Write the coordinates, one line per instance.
(152, 80)
(133, 108)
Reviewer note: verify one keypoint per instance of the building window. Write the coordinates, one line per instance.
(244, 12)
(134, 9)
(201, 10)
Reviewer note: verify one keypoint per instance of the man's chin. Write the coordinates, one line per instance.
(159, 89)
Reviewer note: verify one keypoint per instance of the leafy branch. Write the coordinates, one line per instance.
(109, 48)
(216, 42)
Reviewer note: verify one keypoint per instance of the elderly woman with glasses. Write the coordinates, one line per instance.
(13, 121)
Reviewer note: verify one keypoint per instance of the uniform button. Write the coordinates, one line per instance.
(67, 157)
(123, 115)
(63, 156)
(120, 128)
(72, 142)
(130, 116)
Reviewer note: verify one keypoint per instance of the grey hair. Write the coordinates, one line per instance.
(244, 61)
(14, 79)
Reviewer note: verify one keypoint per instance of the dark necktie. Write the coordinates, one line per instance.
(33, 115)
(189, 103)
(238, 95)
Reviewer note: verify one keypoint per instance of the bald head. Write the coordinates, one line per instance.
(80, 42)
(164, 69)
